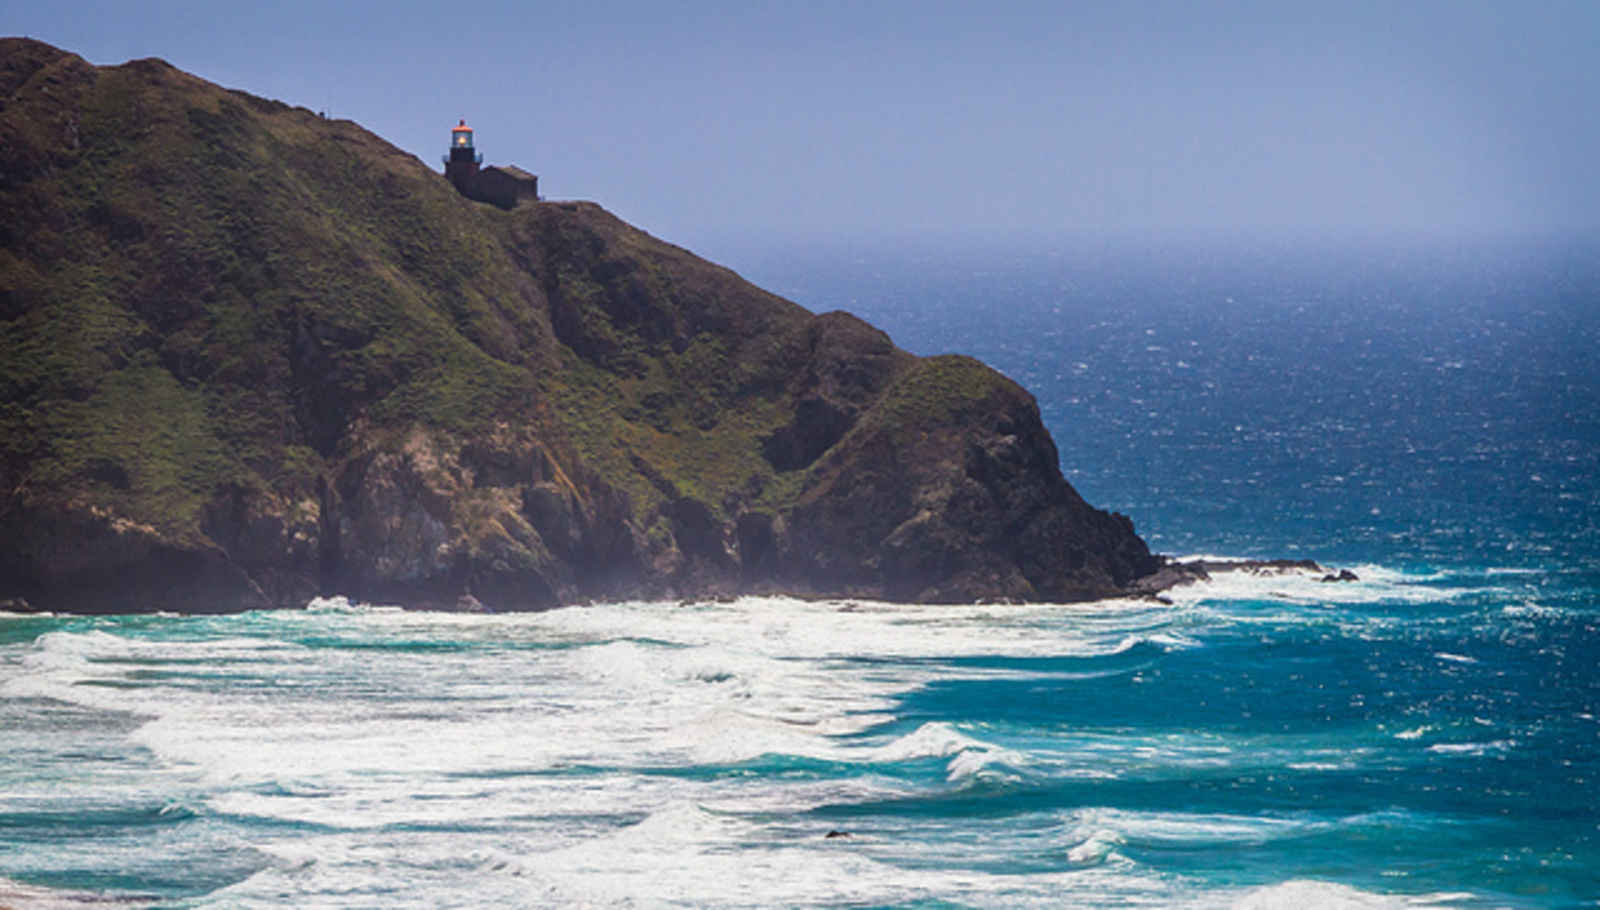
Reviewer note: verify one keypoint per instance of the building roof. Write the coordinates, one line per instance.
(463, 128)
(511, 170)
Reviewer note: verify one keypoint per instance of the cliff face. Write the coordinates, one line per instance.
(249, 355)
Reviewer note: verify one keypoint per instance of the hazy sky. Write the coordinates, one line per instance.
(701, 120)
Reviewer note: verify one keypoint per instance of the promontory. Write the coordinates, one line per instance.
(250, 355)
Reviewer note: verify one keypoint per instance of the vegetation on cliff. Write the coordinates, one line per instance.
(248, 354)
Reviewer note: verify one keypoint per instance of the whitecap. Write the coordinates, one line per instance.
(1100, 846)
(1531, 609)
(975, 765)
(1320, 895)
(931, 740)
(1499, 745)
(1184, 828)
(340, 604)
(1301, 587)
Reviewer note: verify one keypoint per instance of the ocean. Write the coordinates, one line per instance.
(1424, 414)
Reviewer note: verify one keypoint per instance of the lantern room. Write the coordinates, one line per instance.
(461, 151)
(461, 164)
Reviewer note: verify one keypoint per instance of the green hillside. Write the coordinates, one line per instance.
(249, 355)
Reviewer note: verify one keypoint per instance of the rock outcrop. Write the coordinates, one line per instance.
(249, 355)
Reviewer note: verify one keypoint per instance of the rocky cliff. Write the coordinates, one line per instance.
(249, 355)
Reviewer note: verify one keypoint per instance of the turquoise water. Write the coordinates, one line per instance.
(1427, 736)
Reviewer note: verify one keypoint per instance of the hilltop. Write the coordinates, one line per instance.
(249, 355)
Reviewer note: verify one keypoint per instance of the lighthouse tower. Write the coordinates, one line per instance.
(461, 165)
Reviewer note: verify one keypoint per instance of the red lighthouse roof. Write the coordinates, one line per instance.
(463, 128)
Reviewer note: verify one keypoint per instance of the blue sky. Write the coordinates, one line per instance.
(708, 121)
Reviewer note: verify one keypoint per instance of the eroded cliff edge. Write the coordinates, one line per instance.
(249, 355)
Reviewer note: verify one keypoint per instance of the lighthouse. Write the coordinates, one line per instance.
(461, 165)
(504, 185)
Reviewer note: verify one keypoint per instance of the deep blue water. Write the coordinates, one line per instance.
(1427, 736)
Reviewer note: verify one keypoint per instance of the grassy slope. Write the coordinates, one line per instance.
(204, 289)
(672, 369)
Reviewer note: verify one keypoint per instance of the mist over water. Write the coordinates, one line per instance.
(1427, 736)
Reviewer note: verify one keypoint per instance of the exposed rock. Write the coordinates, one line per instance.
(85, 559)
(1173, 574)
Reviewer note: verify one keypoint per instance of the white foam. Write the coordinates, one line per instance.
(1483, 748)
(1185, 828)
(683, 854)
(1318, 895)
(931, 740)
(1238, 596)
(616, 703)
(341, 604)
(1100, 846)
(539, 742)
(1530, 609)
(782, 627)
